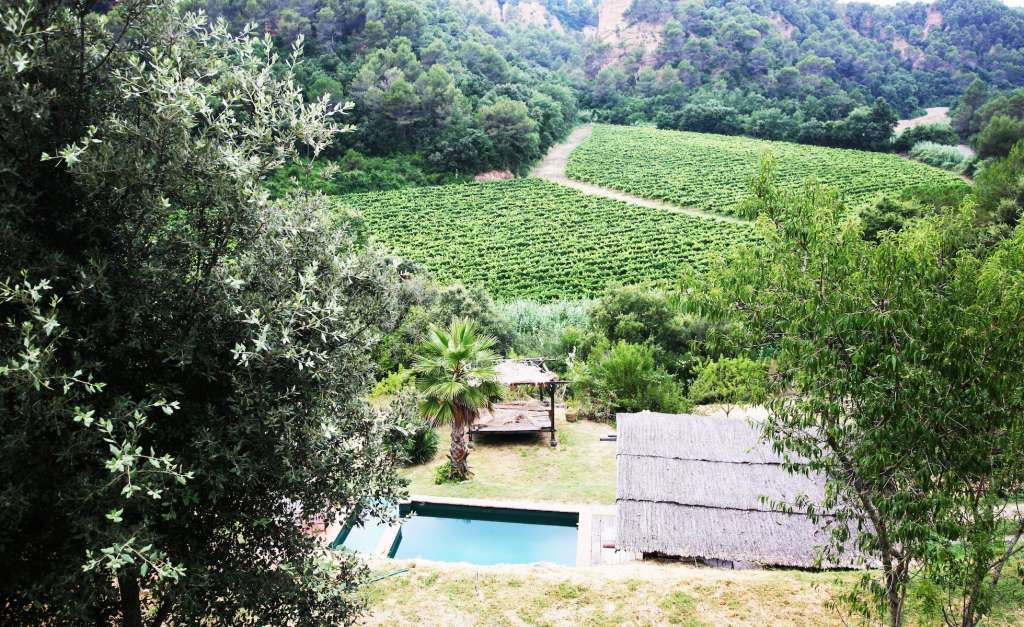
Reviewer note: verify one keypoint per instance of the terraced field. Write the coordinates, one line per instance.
(711, 172)
(528, 238)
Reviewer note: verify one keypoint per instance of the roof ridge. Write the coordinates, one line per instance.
(705, 460)
(716, 507)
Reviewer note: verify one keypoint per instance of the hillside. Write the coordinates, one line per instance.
(464, 87)
(805, 61)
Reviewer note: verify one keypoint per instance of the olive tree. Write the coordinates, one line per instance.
(897, 373)
(182, 360)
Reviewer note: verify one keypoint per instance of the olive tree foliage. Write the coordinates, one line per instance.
(182, 361)
(897, 374)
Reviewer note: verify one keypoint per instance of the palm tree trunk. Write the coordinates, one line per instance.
(458, 453)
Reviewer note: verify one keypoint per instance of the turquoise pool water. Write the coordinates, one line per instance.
(476, 535)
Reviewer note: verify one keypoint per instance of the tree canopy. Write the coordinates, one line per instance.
(896, 374)
(184, 360)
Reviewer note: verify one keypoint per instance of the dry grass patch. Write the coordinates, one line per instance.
(645, 593)
(634, 594)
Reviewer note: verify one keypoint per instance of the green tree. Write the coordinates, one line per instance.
(455, 374)
(730, 381)
(870, 129)
(512, 132)
(936, 133)
(999, 136)
(182, 360)
(963, 115)
(636, 315)
(898, 377)
(999, 189)
(429, 304)
(620, 377)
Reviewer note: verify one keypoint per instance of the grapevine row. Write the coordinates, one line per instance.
(528, 238)
(712, 172)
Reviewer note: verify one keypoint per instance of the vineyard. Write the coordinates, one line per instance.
(527, 238)
(711, 172)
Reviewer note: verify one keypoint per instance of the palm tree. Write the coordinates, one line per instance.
(455, 373)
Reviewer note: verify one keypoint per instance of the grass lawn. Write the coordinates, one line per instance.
(525, 468)
(626, 594)
(636, 594)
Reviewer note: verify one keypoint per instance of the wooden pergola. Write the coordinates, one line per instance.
(523, 416)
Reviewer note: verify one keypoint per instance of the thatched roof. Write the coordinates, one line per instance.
(512, 372)
(692, 486)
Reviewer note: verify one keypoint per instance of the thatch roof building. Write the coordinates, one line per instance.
(692, 487)
(521, 416)
(513, 372)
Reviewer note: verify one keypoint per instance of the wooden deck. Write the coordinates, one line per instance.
(530, 416)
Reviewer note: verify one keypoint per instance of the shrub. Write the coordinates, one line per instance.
(637, 315)
(888, 214)
(354, 172)
(730, 380)
(892, 214)
(421, 445)
(934, 133)
(945, 157)
(393, 383)
(999, 189)
(413, 438)
(443, 474)
(623, 377)
(937, 195)
(539, 327)
(431, 304)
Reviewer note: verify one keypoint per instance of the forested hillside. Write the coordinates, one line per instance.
(446, 89)
(785, 69)
(437, 79)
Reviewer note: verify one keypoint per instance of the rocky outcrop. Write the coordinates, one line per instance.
(908, 52)
(935, 19)
(525, 12)
(488, 7)
(782, 26)
(531, 13)
(613, 28)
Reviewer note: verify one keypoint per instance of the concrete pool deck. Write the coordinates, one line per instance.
(595, 529)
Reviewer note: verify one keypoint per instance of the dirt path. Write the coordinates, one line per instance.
(934, 115)
(552, 168)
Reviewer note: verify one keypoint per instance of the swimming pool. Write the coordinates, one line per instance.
(476, 535)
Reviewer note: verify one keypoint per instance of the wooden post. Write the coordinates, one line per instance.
(551, 413)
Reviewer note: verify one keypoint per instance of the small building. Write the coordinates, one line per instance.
(706, 488)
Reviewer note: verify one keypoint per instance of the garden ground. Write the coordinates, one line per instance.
(582, 470)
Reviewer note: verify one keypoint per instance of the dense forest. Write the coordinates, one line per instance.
(789, 70)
